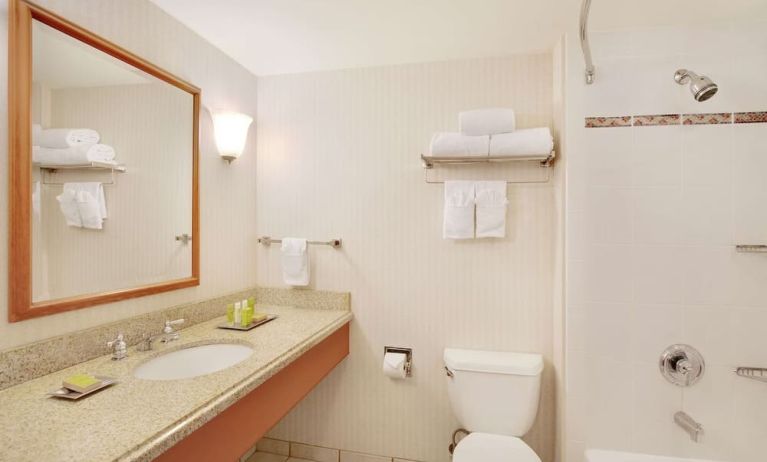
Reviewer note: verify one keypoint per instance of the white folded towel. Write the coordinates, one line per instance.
(81, 154)
(60, 138)
(455, 144)
(83, 205)
(295, 261)
(491, 208)
(486, 121)
(459, 210)
(522, 143)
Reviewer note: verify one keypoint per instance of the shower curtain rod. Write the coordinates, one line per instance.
(585, 46)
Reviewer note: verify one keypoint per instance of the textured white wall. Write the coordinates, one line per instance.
(227, 191)
(338, 157)
(653, 214)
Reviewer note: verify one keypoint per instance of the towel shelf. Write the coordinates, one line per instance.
(544, 160)
(429, 161)
(94, 166)
(267, 241)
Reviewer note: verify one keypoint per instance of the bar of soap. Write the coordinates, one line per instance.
(259, 317)
(81, 383)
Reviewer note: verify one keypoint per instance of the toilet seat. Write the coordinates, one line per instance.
(484, 447)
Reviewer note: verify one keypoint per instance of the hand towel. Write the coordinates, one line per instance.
(83, 205)
(95, 189)
(68, 205)
(455, 144)
(81, 154)
(295, 261)
(522, 143)
(459, 210)
(486, 121)
(61, 138)
(491, 208)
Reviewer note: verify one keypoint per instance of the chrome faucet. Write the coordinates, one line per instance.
(688, 424)
(168, 334)
(119, 347)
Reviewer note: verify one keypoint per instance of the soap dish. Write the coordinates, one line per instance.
(66, 393)
(252, 325)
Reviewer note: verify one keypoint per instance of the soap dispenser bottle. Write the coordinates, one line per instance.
(237, 314)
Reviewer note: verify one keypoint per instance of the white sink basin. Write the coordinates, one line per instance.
(193, 361)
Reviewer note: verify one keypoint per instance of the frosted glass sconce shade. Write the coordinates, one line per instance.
(230, 130)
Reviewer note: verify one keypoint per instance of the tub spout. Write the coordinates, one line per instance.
(688, 424)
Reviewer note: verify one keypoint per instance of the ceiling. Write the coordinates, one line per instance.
(289, 36)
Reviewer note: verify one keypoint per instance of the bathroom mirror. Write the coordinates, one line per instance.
(103, 170)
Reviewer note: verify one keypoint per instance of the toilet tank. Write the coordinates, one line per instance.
(493, 391)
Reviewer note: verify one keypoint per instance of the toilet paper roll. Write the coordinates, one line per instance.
(394, 365)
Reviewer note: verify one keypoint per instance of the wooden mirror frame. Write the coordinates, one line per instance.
(20, 304)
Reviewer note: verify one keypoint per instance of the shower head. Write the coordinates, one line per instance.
(701, 87)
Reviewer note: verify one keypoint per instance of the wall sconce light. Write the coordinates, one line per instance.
(230, 130)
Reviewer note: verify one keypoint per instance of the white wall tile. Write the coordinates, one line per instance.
(607, 216)
(657, 156)
(708, 155)
(714, 331)
(694, 192)
(607, 274)
(658, 274)
(658, 216)
(655, 327)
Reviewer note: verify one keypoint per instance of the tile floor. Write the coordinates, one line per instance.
(271, 450)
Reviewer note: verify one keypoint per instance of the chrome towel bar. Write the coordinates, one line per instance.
(267, 241)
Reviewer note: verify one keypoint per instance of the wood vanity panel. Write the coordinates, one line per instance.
(230, 434)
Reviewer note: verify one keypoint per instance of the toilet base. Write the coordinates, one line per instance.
(485, 447)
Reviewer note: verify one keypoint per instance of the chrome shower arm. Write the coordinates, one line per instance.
(585, 46)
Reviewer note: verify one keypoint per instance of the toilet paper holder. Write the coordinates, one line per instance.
(408, 352)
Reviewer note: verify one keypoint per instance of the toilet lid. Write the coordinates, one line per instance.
(484, 447)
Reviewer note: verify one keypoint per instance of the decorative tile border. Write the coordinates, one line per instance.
(654, 120)
(750, 117)
(657, 119)
(707, 119)
(607, 122)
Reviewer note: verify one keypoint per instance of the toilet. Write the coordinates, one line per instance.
(495, 396)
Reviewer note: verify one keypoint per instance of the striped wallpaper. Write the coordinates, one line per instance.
(338, 156)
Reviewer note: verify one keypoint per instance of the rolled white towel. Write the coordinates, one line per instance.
(522, 143)
(455, 144)
(60, 138)
(487, 121)
(81, 154)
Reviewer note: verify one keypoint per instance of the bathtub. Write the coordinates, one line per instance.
(598, 455)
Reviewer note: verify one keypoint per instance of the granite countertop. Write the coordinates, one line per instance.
(137, 420)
